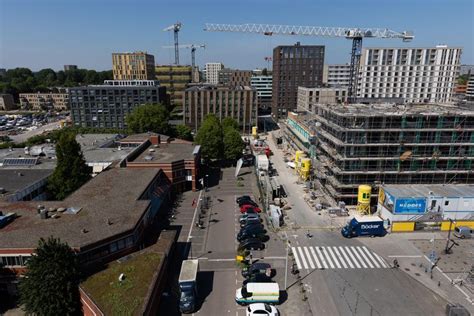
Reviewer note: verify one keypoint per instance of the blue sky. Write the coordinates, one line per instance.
(50, 33)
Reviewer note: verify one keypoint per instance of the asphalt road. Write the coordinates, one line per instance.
(27, 134)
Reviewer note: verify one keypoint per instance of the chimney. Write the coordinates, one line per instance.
(155, 139)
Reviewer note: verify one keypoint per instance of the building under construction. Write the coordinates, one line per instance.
(378, 144)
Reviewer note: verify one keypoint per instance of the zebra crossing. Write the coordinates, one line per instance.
(337, 257)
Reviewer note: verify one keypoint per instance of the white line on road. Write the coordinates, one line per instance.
(325, 265)
(194, 216)
(403, 256)
(370, 256)
(340, 257)
(318, 264)
(346, 257)
(298, 264)
(323, 250)
(311, 265)
(305, 264)
(364, 256)
(384, 264)
(334, 257)
(348, 249)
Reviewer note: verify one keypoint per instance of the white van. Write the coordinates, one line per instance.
(258, 293)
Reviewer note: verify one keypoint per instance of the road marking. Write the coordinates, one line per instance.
(310, 261)
(340, 257)
(303, 258)
(346, 257)
(298, 264)
(358, 250)
(370, 256)
(322, 258)
(194, 216)
(403, 256)
(334, 257)
(316, 260)
(353, 258)
(384, 264)
(323, 250)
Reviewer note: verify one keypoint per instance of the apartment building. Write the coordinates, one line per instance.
(416, 75)
(212, 72)
(470, 88)
(175, 78)
(240, 103)
(133, 66)
(263, 86)
(337, 75)
(309, 97)
(70, 67)
(7, 103)
(108, 104)
(294, 66)
(234, 77)
(44, 101)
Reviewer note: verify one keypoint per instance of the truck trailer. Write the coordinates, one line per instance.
(188, 286)
(364, 226)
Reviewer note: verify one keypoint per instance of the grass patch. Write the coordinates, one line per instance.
(126, 297)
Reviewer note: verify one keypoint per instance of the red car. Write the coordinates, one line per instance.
(249, 208)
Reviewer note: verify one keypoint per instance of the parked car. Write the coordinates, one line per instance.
(463, 232)
(244, 217)
(250, 220)
(248, 202)
(261, 309)
(258, 278)
(242, 198)
(252, 244)
(248, 235)
(246, 208)
(254, 228)
(248, 160)
(258, 267)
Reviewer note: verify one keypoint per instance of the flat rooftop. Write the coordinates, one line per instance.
(47, 162)
(112, 196)
(396, 109)
(13, 181)
(438, 190)
(166, 153)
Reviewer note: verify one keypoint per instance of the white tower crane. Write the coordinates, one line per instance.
(193, 48)
(175, 28)
(355, 34)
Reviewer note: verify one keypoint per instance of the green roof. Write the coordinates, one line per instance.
(126, 297)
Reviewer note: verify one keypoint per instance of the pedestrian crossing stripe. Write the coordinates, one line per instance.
(337, 257)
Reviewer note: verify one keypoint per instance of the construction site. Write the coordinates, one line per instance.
(376, 144)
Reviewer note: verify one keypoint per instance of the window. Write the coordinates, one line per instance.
(446, 203)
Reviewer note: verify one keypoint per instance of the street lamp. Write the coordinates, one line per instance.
(207, 183)
(447, 250)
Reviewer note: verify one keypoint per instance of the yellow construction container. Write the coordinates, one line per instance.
(363, 198)
(305, 164)
(445, 224)
(403, 227)
(298, 155)
(254, 131)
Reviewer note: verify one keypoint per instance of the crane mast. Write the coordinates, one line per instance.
(175, 28)
(355, 34)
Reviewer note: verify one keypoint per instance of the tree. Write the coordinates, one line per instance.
(209, 136)
(71, 170)
(183, 132)
(463, 79)
(51, 283)
(149, 118)
(233, 144)
(229, 122)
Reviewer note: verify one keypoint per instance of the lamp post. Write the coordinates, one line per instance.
(286, 266)
(447, 250)
(191, 246)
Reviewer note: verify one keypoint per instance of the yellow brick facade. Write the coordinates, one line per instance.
(133, 66)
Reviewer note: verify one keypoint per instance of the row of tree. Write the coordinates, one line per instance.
(23, 80)
(220, 139)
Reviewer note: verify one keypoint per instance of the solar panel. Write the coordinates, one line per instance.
(20, 161)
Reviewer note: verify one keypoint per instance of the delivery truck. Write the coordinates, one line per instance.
(364, 226)
(188, 286)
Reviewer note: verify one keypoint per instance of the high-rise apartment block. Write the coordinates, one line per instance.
(212, 72)
(240, 103)
(234, 77)
(107, 105)
(133, 66)
(45, 101)
(175, 78)
(293, 67)
(337, 75)
(470, 88)
(263, 86)
(309, 97)
(70, 67)
(416, 75)
(7, 103)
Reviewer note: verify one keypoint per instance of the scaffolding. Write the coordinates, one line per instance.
(390, 144)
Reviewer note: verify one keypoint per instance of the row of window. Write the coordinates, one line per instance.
(14, 261)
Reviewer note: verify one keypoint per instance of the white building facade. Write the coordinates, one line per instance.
(470, 88)
(309, 97)
(418, 75)
(263, 85)
(212, 72)
(337, 75)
